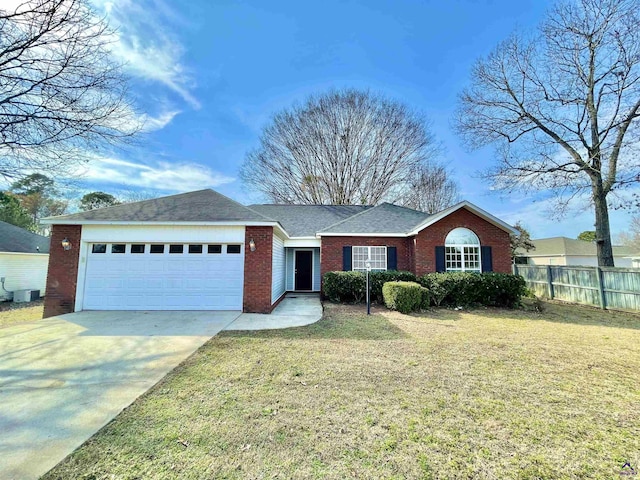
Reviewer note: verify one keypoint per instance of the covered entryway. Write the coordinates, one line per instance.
(303, 270)
(158, 276)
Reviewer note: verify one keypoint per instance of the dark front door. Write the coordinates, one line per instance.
(303, 273)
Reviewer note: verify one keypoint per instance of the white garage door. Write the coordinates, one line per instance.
(136, 276)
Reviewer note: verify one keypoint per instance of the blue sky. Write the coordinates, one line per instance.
(209, 74)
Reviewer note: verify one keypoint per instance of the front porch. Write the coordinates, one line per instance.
(302, 269)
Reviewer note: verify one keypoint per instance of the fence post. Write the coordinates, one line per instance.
(603, 302)
(550, 282)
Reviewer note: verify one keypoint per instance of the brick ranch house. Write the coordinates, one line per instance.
(204, 251)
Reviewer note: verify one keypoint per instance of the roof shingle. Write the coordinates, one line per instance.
(18, 240)
(200, 206)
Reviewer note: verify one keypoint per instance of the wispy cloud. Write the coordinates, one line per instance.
(150, 124)
(147, 45)
(173, 177)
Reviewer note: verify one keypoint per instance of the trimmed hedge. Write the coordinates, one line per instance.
(344, 286)
(378, 279)
(440, 289)
(405, 297)
(472, 289)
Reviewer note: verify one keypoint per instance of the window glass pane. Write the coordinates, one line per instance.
(137, 248)
(118, 248)
(360, 255)
(176, 248)
(157, 249)
(377, 256)
(214, 249)
(233, 248)
(195, 248)
(462, 236)
(99, 248)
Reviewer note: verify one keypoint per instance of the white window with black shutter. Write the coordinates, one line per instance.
(462, 253)
(381, 257)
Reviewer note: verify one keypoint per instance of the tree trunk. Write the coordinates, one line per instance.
(603, 230)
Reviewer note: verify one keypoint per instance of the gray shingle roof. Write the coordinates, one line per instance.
(199, 206)
(18, 240)
(383, 218)
(306, 220)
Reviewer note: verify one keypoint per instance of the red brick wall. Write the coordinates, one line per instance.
(63, 271)
(257, 270)
(331, 250)
(434, 235)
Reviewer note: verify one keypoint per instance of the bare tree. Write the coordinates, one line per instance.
(61, 94)
(631, 238)
(562, 106)
(430, 189)
(342, 147)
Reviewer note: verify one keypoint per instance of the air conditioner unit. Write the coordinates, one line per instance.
(20, 296)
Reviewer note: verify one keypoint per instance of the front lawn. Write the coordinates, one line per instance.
(480, 394)
(12, 313)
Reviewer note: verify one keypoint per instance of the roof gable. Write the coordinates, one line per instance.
(471, 208)
(18, 240)
(199, 206)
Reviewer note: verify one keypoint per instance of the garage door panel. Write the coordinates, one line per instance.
(163, 281)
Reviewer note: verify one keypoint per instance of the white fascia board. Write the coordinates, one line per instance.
(471, 207)
(52, 221)
(302, 242)
(24, 253)
(331, 234)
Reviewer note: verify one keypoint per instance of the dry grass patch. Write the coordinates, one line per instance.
(12, 313)
(480, 394)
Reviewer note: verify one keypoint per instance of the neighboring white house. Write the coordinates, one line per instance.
(24, 259)
(569, 251)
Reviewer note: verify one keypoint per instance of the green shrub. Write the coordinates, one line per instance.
(378, 279)
(344, 286)
(405, 297)
(471, 289)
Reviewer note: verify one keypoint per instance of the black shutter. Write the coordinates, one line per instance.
(392, 258)
(487, 259)
(440, 266)
(346, 258)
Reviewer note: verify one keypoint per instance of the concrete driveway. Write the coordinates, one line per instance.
(63, 378)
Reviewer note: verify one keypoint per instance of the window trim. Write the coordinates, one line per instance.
(463, 255)
(195, 246)
(209, 252)
(151, 252)
(93, 248)
(368, 247)
(234, 245)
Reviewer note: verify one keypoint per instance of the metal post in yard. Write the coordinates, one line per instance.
(603, 301)
(367, 264)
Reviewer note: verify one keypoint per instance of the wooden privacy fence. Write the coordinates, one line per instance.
(605, 287)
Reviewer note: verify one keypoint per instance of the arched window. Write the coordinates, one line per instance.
(462, 251)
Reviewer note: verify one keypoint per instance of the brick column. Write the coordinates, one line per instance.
(62, 275)
(257, 270)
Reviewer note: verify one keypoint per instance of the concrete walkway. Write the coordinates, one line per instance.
(63, 378)
(295, 310)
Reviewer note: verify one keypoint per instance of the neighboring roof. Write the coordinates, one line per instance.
(385, 218)
(307, 220)
(18, 240)
(563, 246)
(199, 206)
